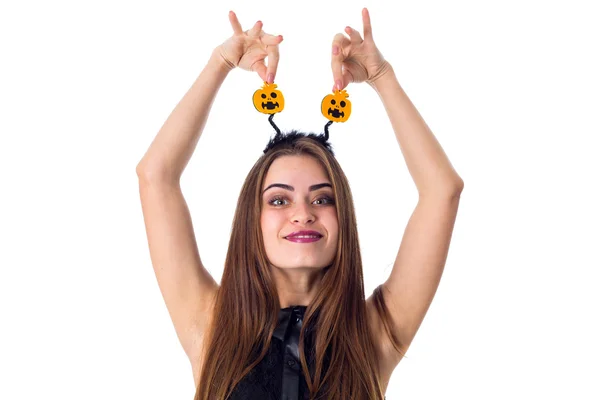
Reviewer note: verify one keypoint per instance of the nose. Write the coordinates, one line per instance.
(303, 214)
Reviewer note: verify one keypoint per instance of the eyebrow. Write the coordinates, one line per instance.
(291, 188)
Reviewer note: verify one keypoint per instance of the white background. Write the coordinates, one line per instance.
(510, 89)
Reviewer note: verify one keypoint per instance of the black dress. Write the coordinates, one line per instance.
(278, 376)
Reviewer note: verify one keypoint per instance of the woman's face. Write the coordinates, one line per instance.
(297, 196)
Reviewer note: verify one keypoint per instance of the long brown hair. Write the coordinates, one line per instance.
(247, 304)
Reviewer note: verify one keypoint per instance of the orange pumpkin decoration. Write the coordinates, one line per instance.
(336, 107)
(268, 100)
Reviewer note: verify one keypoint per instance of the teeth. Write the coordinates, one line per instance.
(304, 237)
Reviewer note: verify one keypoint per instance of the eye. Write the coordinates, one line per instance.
(343, 103)
(274, 95)
(333, 102)
(264, 96)
(274, 199)
(326, 200)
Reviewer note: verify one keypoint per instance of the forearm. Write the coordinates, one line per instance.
(173, 146)
(427, 163)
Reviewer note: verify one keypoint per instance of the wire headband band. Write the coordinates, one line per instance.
(269, 100)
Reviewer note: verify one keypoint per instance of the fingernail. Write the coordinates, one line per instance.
(338, 84)
(270, 78)
(336, 50)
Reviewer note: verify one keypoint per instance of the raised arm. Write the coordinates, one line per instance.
(422, 254)
(411, 286)
(173, 146)
(187, 287)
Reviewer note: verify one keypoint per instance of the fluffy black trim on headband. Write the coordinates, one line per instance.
(292, 136)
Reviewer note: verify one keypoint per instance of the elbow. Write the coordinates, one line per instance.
(459, 186)
(448, 189)
(154, 174)
(455, 190)
(142, 171)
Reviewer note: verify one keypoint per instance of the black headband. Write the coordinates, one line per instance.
(335, 107)
(292, 136)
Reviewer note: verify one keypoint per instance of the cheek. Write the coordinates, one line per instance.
(335, 228)
(269, 222)
(331, 220)
(264, 223)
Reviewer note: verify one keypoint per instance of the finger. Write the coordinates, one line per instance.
(271, 40)
(337, 58)
(235, 24)
(347, 78)
(354, 36)
(273, 55)
(368, 33)
(255, 31)
(260, 68)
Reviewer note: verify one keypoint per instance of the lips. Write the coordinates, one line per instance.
(305, 234)
(304, 237)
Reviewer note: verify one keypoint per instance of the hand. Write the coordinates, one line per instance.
(355, 59)
(247, 50)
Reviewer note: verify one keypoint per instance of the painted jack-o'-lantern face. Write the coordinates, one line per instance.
(336, 107)
(268, 100)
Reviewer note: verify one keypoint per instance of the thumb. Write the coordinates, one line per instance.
(260, 68)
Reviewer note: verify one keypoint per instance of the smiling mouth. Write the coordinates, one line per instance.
(336, 113)
(269, 105)
(304, 238)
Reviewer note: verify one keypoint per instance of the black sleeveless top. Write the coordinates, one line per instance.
(278, 376)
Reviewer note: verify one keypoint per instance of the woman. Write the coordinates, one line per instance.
(289, 320)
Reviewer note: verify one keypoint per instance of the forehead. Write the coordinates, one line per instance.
(288, 169)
